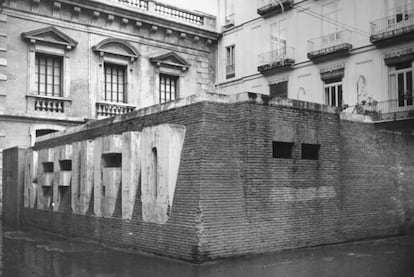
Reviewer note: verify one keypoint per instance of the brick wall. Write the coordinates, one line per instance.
(177, 238)
(232, 196)
(268, 204)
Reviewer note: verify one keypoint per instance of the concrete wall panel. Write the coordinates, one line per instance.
(161, 152)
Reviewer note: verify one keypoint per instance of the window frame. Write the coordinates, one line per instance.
(125, 82)
(176, 89)
(48, 50)
(402, 100)
(230, 61)
(329, 84)
(37, 91)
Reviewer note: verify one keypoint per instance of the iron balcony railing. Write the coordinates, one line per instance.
(392, 109)
(397, 24)
(330, 43)
(276, 58)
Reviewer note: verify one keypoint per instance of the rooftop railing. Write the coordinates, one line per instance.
(330, 43)
(141, 4)
(179, 14)
(276, 58)
(172, 12)
(397, 24)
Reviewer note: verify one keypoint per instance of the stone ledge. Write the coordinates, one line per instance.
(197, 98)
(355, 117)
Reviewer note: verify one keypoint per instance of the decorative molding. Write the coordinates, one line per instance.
(95, 16)
(138, 24)
(170, 59)
(397, 56)
(168, 32)
(183, 35)
(116, 47)
(332, 67)
(154, 28)
(35, 5)
(196, 38)
(124, 21)
(76, 12)
(56, 8)
(50, 35)
(110, 18)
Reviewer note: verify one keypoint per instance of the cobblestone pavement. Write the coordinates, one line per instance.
(35, 254)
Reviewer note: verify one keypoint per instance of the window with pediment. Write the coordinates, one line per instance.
(170, 69)
(117, 77)
(49, 50)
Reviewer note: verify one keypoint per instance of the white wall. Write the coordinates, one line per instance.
(251, 36)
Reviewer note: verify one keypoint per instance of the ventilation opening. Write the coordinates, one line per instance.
(112, 160)
(155, 171)
(65, 165)
(282, 150)
(310, 151)
(42, 132)
(48, 167)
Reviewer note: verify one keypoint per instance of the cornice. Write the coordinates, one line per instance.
(120, 14)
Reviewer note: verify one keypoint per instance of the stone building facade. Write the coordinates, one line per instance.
(64, 63)
(343, 53)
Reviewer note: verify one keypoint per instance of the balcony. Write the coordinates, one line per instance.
(276, 60)
(166, 11)
(48, 105)
(268, 8)
(389, 110)
(393, 29)
(107, 109)
(332, 46)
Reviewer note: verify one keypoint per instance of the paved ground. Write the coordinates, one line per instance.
(27, 254)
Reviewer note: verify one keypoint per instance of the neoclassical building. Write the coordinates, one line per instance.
(63, 63)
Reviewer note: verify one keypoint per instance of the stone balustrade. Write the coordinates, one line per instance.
(47, 104)
(106, 109)
(176, 13)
